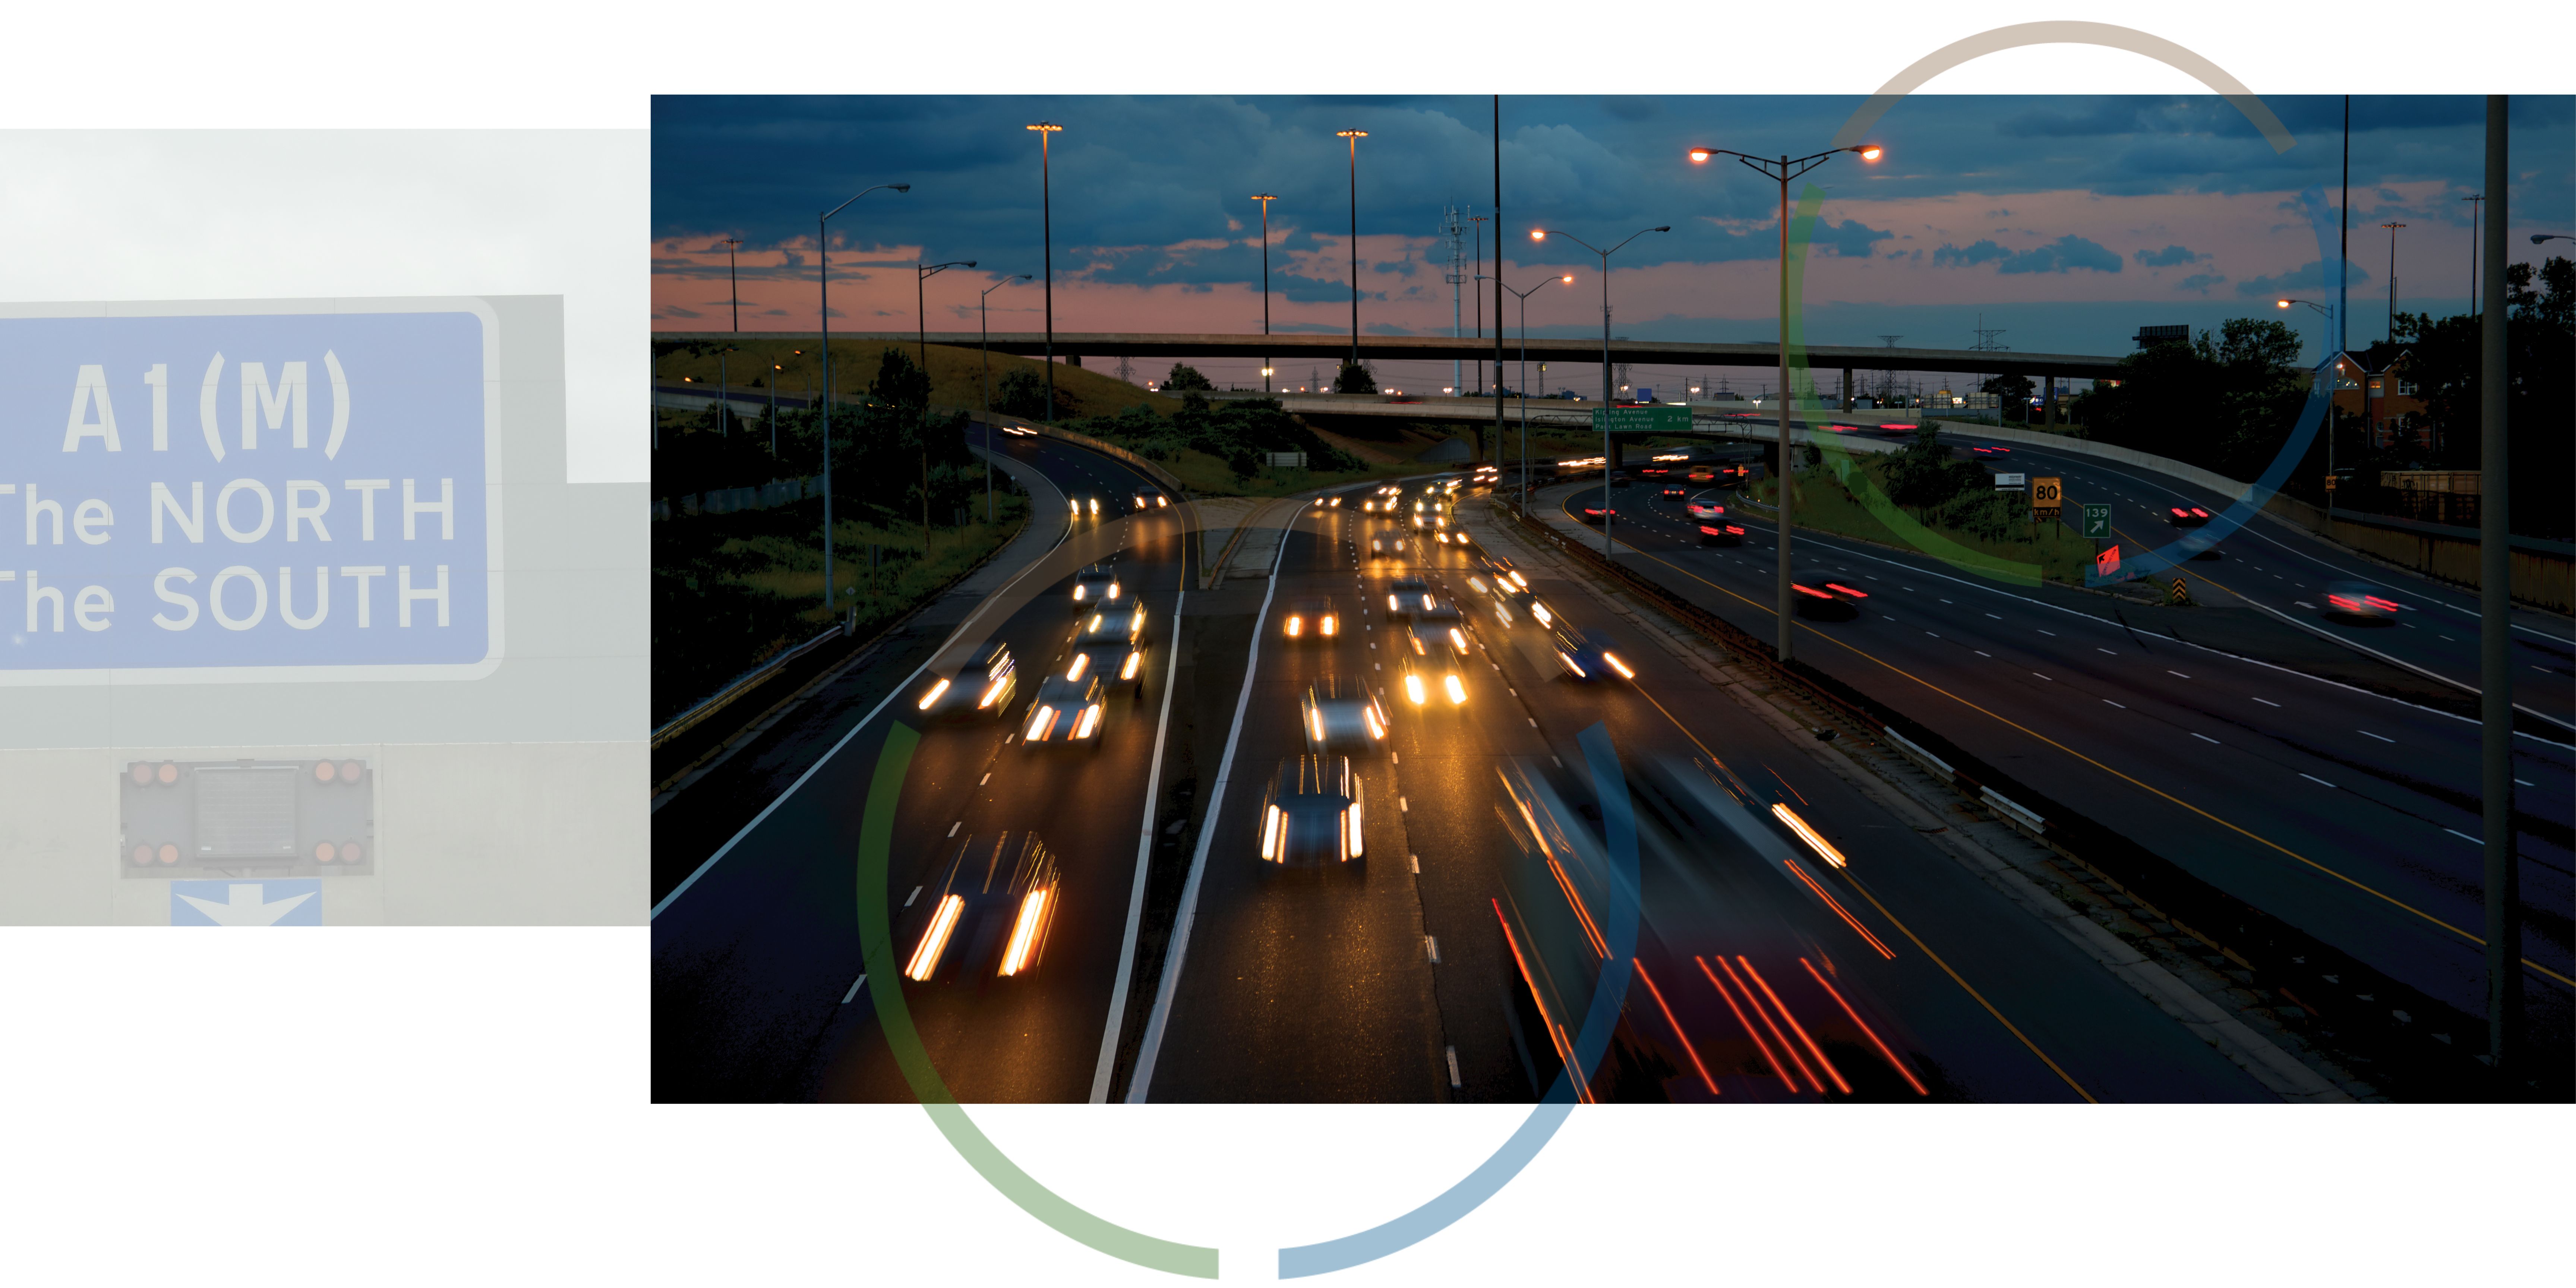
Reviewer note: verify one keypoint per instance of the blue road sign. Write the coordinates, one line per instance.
(249, 902)
(248, 496)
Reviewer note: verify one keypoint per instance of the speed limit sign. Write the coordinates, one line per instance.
(2046, 495)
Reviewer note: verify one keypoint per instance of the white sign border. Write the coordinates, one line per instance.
(492, 494)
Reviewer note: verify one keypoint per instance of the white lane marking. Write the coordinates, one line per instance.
(854, 990)
(2170, 671)
(988, 777)
(1393, 759)
(1453, 1066)
(2115, 704)
(2265, 701)
(907, 899)
(2049, 634)
(873, 713)
(1401, 806)
(1139, 1082)
(2207, 739)
(1534, 725)
(1993, 615)
(1934, 634)
(1144, 853)
(952, 828)
(2463, 836)
(2524, 784)
(1431, 946)
(2043, 677)
(1980, 652)
(2099, 649)
(2368, 734)
(2314, 779)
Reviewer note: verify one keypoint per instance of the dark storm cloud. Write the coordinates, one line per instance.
(2168, 257)
(2201, 282)
(2066, 253)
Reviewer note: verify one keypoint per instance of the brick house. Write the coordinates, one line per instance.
(2372, 386)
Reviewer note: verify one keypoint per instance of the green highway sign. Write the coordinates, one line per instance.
(1642, 420)
(2097, 520)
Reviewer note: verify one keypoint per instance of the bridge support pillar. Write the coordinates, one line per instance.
(2051, 400)
(1847, 398)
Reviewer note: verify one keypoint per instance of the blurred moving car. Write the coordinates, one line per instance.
(1587, 655)
(981, 687)
(1111, 643)
(1675, 491)
(1593, 508)
(2360, 601)
(1311, 814)
(2187, 517)
(1408, 595)
(1333, 502)
(1342, 715)
(1066, 710)
(1312, 618)
(1442, 627)
(1084, 506)
(1095, 585)
(1150, 499)
(1382, 546)
(1824, 594)
(988, 915)
(1430, 668)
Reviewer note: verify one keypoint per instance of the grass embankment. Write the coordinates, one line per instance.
(2053, 551)
(732, 591)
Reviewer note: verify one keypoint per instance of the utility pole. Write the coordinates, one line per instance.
(1479, 222)
(2495, 645)
(1354, 136)
(2343, 253)
(1498, 317)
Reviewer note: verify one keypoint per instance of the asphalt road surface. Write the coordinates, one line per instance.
(2349, 813)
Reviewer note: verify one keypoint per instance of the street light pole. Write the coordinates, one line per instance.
(2392, 228)
(2477, 203)
(2495, 632)
(1354, 136)
(823, 258)
(2328, 315)
(733, 284)
(984, 348)
(921, 275)
(1607, 398)
(1265, 199)
(1500, 284)
(1783, 171)
(1047, 130)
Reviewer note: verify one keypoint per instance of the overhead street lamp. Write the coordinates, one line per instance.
(1542, 234)
(1265, 198)
(1047, 130)
(1782, 171)
(1354, 136)
(921, 275)
(2477, 206)
(2328, 315)
(2537, 238)
(1568, 280)
(823, 257)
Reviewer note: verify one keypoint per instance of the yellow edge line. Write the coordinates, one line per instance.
(1970, 989)
(2400, 903)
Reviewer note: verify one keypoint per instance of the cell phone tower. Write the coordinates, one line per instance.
(1454, 228)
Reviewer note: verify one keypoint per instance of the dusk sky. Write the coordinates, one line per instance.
(2067, 222)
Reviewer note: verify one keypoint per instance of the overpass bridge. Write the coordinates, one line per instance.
(1311, 348)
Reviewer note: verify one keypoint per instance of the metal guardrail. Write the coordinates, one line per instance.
(748, 681)
(2414, 1038)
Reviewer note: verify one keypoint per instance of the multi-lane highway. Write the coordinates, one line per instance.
(1900, 972)
(2350, 813)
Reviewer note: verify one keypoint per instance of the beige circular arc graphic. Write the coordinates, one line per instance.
(1491, 1174)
